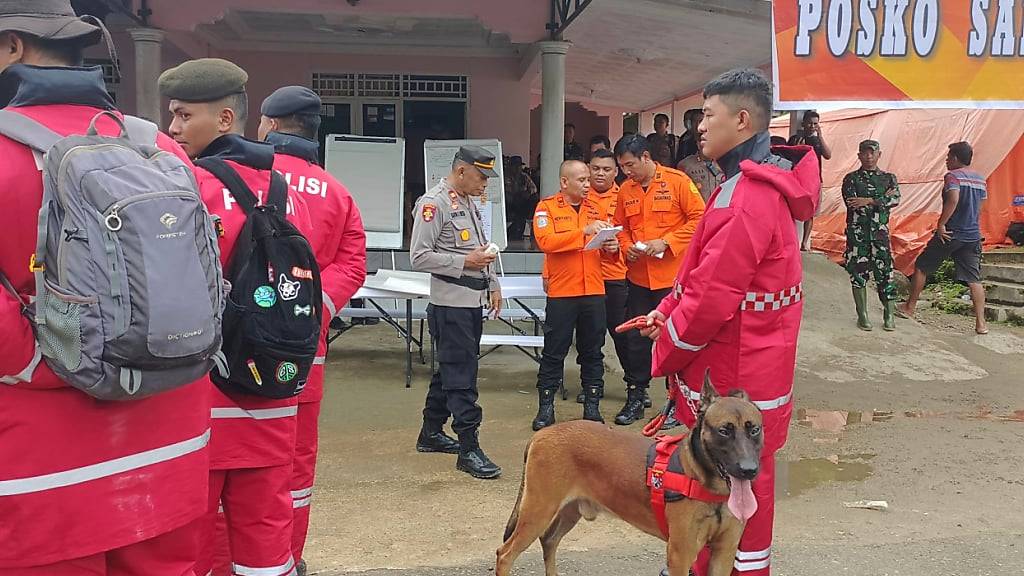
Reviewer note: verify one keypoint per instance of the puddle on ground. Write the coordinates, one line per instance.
(836, 421)
(795, 477)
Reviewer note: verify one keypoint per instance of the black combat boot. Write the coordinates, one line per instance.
(634, 408)
(592, 404)
(472, 459)
(546, 409)
(583, 396)
(436, 442)
(647, 399)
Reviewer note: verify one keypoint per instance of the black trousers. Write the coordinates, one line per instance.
(453, 392)
(615, 294)
(583, 315)
(639, 302)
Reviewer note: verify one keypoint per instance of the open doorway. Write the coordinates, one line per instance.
(427, 120)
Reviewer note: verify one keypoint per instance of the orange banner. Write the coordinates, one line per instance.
(898, 53)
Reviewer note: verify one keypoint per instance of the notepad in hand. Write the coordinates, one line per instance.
(602, 236)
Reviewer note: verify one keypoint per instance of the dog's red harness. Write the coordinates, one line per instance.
(660, 479)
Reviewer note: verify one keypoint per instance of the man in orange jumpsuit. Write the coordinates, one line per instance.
(562, 226)
(658, 208)
(605, 192)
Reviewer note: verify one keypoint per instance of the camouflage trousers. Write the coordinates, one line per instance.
(869, 255)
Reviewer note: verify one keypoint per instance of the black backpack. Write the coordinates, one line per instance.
(273, 314)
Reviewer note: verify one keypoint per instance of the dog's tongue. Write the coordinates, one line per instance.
(742, 503)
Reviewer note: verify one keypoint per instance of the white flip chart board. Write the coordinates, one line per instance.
(437, 161)
(373, 170)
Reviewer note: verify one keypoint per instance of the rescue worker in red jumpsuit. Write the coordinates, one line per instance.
(87, 488)
(737, 302)
(291, 121)
(253, 437)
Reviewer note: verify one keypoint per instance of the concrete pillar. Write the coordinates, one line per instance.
(615, 126)
(552, 115)
(796, 118)
(148, 65)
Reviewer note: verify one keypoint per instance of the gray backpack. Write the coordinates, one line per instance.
(129, 291)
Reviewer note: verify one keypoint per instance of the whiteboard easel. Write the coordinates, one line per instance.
(437, 163)
(373, 170)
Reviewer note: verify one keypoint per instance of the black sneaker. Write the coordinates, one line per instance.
(437, 442)
(671, 423)
(478, 465)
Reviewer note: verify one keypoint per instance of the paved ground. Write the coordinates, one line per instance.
(930, 418)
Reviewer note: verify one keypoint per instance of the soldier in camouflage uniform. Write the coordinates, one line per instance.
(870, 194)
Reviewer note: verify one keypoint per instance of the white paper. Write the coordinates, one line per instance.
(602, 236)
(642, 246)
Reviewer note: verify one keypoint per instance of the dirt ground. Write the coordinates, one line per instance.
(929, 418)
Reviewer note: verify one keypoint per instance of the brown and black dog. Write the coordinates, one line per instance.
(578, 469)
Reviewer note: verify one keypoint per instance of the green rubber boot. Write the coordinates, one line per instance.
(860, 298)
(889, 315)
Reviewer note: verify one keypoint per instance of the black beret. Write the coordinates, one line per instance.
(203, 80)
(291, 100)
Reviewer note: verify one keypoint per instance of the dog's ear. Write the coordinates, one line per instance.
(708, 394)
(741, 394)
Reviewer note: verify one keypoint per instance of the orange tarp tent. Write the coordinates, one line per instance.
(914, 145)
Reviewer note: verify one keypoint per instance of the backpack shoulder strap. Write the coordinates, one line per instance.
(141, 131)
(27, 131)
(278, 195)
(230, 178)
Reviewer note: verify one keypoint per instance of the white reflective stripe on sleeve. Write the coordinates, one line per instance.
(773, 404)
(25, 375)
(263, 414)
(761, 404)
(285, 569)
(319, 360)
(759, 555)
(104, 469)
(753, 565)
(301, 503)
(330, 305)
(679, 343)
(302, 493)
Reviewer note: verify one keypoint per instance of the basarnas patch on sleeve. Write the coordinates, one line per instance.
(429, 211)
(542, 219)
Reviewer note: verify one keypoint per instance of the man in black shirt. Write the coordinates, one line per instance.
(810, 135)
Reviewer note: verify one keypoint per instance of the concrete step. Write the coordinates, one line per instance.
(1005, 293)
(1003, 272)
(993, 312)
(1003, 257)
(999, 313)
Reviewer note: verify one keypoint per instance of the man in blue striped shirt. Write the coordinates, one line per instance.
(958, 234)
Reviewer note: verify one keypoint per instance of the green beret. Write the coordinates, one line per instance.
(203, 80)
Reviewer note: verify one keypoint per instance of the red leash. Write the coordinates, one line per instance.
(654, 426)
(637, 323)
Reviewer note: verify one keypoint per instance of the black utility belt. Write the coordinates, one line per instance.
(471, 282)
